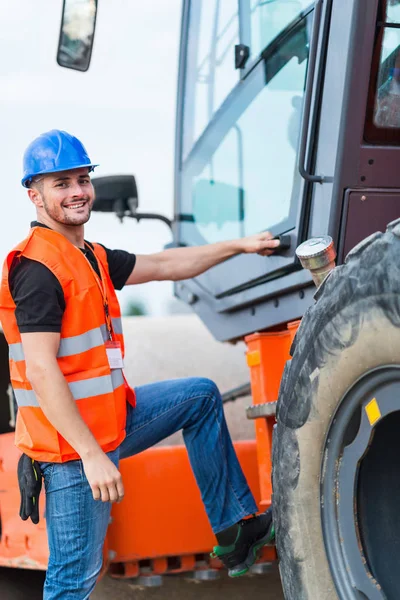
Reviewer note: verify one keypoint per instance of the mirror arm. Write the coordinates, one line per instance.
(139, 216)
(121, 212)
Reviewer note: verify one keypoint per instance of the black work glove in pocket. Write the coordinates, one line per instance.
(30, 485)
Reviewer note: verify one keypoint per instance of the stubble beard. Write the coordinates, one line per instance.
(59, 214)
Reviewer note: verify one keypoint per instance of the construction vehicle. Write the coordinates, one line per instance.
(288, 120)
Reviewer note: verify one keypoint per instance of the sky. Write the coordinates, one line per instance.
(122, 109)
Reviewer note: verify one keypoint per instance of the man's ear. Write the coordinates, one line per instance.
(35, 197)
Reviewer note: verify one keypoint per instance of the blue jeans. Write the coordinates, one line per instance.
(77, 524)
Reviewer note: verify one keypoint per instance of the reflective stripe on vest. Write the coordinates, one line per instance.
(85, 388)
(76, 344)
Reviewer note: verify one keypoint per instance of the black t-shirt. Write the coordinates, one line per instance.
(38, 294)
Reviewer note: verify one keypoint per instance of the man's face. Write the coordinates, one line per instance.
(67, 197)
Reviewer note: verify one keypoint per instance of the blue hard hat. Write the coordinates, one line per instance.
(54, 151)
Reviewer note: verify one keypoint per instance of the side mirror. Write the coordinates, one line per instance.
(77, 34)
(117, 194)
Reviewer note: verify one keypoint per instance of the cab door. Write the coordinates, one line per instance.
(240, 175)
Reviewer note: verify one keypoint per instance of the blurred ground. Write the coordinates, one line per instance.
(27, 585)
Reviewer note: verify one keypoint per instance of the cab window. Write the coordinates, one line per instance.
(383, 111)
(268, 19)
(243, 177)
(210, 70)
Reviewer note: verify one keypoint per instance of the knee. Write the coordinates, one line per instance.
(206, 393)
(207, 388)
(206, 401)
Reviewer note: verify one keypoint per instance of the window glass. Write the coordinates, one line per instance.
(382, 123)
(269, 17)
(210, 63)
(387, 102)
(393, 11)
(248, 184)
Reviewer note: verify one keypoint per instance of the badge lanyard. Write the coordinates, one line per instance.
(102, 287)
(113, 347)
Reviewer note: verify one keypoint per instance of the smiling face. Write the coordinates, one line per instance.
(64, 199)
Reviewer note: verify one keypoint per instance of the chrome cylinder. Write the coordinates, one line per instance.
(318, 256)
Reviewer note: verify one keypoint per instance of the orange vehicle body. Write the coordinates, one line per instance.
(161, 526)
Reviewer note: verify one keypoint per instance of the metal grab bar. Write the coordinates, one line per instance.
(308, 96)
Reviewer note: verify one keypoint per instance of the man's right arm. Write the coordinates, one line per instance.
(59, 406)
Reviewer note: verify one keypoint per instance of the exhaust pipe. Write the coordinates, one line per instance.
(318, 256)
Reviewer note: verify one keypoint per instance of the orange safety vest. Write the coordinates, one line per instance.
(92, 315)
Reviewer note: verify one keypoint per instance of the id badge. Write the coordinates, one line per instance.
(114, 355)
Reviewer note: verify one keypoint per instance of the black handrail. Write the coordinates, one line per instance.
(308, 97)
(237, 392)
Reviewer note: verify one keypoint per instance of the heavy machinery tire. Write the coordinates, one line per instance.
(352, 329)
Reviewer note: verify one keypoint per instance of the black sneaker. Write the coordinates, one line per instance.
(253, 534)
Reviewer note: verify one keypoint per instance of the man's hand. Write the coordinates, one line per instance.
(260, 243)
(104, 478)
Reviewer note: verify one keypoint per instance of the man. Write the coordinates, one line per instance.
(77, 415)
